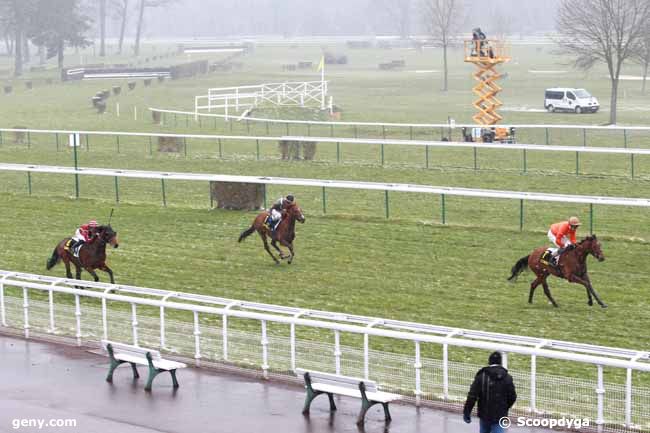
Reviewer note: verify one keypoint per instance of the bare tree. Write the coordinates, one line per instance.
(399, 14)
(641, 55)
(442, 17)
(102, 28)
(606, 31)
(144, 4)
(121, 8)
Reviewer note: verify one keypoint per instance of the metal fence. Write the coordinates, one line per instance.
(442, 191)
(278, 339)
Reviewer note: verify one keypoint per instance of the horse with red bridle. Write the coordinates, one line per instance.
(285, 232)
(572, 266)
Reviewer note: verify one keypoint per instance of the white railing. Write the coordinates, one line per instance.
(371, 186)
(237, 98)
(28, 302)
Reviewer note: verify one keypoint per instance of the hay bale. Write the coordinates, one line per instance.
(147, 82)
(29, 85)
(309, 150)
(237, 195)
(8, 89)
(96, 100)
(19, 136)
(161, 78)
(131, 85)
(101, 107)
(305, 65)
(170, 144)
(117, 90)
(156, 116)
(293, 149)
(49, 81)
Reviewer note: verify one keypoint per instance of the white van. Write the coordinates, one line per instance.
(575, 100)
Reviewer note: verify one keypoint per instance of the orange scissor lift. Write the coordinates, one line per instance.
(486, 55)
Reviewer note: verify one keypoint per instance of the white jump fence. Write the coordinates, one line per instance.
(278, 339)
(235, 99)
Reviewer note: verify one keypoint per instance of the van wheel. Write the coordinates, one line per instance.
(550, 109)
(578, 110)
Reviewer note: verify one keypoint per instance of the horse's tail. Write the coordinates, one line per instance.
(54, 259)
(518, 268)
(246, 233)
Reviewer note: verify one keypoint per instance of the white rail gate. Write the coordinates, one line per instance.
(265, 337)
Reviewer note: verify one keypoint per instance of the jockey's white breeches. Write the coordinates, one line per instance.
(551, 237)
(275, 215)
(78, 236)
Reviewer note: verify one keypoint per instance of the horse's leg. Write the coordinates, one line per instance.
(293, 254)
(275, 245)
(92, 272)
(587, 283)
(547, 292)
(268, 250)
(109, 271)
(68, 272)
(533, 286)
(289, 246)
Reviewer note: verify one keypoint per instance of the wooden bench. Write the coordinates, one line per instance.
(317, 383)
(120, 353)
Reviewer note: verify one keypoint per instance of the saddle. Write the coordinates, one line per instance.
(72, 247)
(547, 257)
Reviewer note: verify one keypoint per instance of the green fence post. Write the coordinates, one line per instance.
(87, 143)
(624, 137)
(258, 149)
(56, 136)
(309, 130)
(383, 131)
(287, 125)
(524, 161)
(331, 130)
(546, 136)
(230, 124)
(117, 143)
(0, 137)
(338, 152)
(200, 122)
(475, 161)
(210, 193)
(591, 218)
(220, 148)
(187, 121)
(577, 163)
(584, 137)
(117, 190)
(382, 153)
(324, 201)
(442, 209)
(248, 126)
(632, 164)
(29, 139)
(426, 156)
(29, 182)
(164, 196)
(267, 127)
(356, 132)
(264, 190)
(185, 147)
(386, 203)
(150, 147)
(411, 132)
(521, 214)
(75, 141)
(175, 119)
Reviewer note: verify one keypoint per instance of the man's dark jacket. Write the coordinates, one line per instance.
(495, 392)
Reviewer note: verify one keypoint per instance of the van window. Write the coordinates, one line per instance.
(582, 93)
(551, 94)
(571, 96)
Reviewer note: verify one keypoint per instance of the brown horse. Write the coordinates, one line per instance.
(572, 266)
(91, 256)
(285, 233)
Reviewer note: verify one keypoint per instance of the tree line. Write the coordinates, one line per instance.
(54, 25)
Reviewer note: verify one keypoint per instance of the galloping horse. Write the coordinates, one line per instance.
(91, 256)
(285, 233)
(572, 267)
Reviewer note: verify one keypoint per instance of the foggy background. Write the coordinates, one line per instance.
(290, 18)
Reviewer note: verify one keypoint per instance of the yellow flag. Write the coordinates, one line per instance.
(321, 65)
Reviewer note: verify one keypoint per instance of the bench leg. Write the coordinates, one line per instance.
(111, 369)
(174, 381)
(365, 405)
(136, 375)
(153, 372)
(386, 412)
(332, 405)
(311, 395)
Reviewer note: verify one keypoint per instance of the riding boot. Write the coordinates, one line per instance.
(77, 248)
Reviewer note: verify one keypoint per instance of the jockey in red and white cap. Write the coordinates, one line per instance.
(84, 234)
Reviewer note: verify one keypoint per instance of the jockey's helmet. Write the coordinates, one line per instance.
(290, 198)
(574, 221)
(92, 223)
